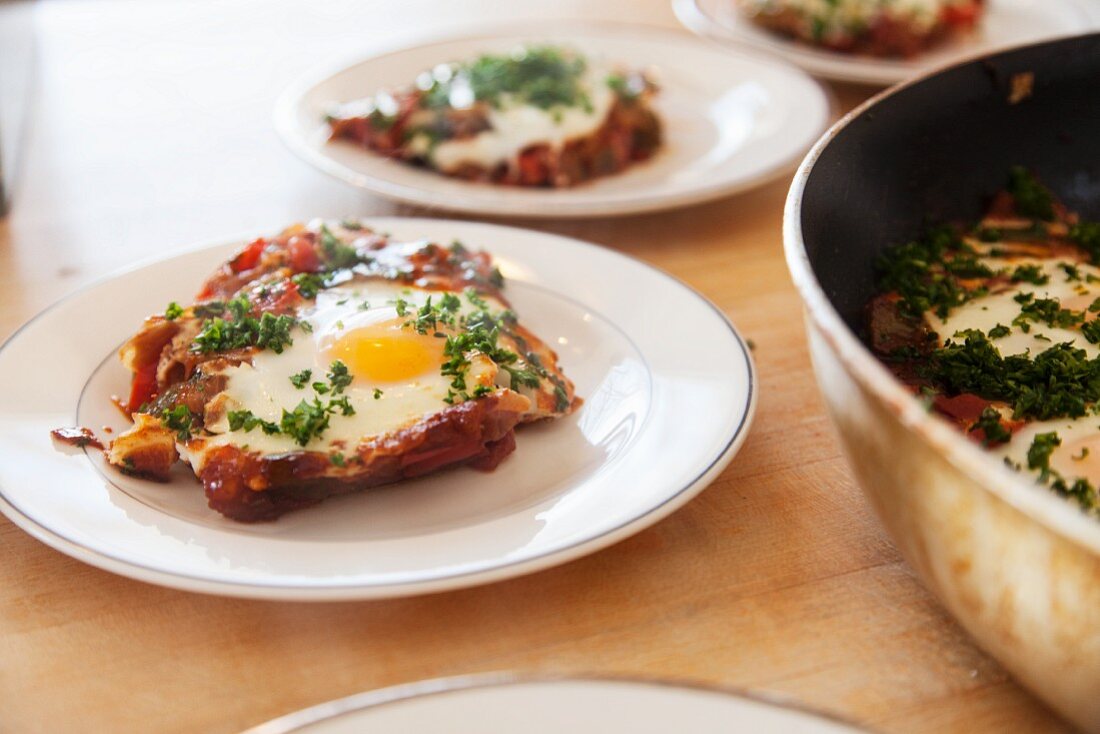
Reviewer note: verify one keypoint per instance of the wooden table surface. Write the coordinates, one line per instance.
(150, 130)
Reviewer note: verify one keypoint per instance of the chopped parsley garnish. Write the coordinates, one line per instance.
(244, 330)
(338, 377)
(479, 333)
(1030, 274)
(246, 420)
(338, 254)
(541, 76)
(1038, 455)
(1091, 331)
(999, 331)
(1080, 490)
(337, 459)
(239, 307)
(1047, 311)
(1086, 235)
(561, 398)
(1059, 382)
(1073, 273)
(626, 89)
(428, 317)
(208, 309)
(377, 393)
(926, 273)
(342, 404)
(309, 284)
(309, 418)
(301, 379)
(990, 424)
(523, 376)
(989, 234)
(179, 419)
(173, 312)
(1033, 200)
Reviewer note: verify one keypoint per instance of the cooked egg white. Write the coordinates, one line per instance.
(356, 323)
(516, 126)
(1000, 308)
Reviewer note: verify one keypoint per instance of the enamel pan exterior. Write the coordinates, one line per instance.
(1016, 565)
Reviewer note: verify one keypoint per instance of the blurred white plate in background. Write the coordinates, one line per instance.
(732, 121)
(500, 704)
(1005, 23)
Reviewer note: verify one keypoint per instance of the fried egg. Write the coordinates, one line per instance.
(1079, 453)
(1001, 308)
(395, 370)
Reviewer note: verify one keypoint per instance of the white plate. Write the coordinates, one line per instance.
(732, 121)
(668, 388)
(1006, 23)
(502, 704)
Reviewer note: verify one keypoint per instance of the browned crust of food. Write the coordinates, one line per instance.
(147, 449)
(631, 133)
(77, 437)
(546, 405)
(885, 37)
(249, 488)
(890, 330)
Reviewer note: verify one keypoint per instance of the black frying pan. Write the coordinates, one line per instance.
(939, 147)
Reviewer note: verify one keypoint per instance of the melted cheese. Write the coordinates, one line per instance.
(514, 127)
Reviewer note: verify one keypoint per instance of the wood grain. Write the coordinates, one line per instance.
(151, 130)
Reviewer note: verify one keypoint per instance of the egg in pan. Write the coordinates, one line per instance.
(329, 359)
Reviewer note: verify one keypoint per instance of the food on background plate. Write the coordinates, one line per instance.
(542, 116)
(886, 28)
(329, 359)
(997, 326)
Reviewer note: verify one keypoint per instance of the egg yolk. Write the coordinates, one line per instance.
(387, 354)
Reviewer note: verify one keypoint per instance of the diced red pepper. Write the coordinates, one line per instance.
(303, 256)
(964, 409)
(143, 387)
(962, 16)
(532, 166)
(287, 300)
(249, 257)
